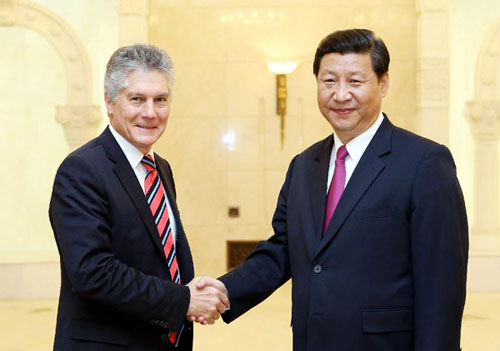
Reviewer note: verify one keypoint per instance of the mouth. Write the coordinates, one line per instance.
(343, 111)
(146, 127)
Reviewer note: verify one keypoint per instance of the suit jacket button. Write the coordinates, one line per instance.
(317, 269)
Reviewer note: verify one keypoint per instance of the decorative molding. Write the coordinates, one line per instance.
(488, 64)
(7, 13)
(80, 123)
(431, 6)
(433, 83)
(67, 44)
(484, 117)
(483, 113)
(133, 8)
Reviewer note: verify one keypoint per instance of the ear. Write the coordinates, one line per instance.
(110, 105)
(384, 84)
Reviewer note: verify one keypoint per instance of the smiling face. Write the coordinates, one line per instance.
(140, 111)
(350, 93)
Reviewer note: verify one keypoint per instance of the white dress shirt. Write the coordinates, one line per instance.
(134, 157)
(355, 147)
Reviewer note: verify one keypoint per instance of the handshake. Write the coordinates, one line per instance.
(208, 300)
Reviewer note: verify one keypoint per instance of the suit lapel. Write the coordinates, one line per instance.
(318, 177)
(369, 167)
(129, 181)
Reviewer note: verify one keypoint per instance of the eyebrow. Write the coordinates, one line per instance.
(133, 93)
(352, 73)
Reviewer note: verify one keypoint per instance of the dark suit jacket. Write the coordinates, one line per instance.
(390, 272)
(116, 291)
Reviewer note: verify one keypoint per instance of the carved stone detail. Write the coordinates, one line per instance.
(70, 49)
(483, 114)
(133, 7)
(428, 6)
(487, 85)
(485, 119)
(7, 13)
(79, 122)
(432, 82)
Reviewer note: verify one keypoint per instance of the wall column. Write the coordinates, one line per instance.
(133, 24)
(485, 123)
(432, 118)
(483, 113)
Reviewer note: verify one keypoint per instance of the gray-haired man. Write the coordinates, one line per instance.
(126, 267)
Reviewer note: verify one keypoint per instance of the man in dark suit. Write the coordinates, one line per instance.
(126, 267)
(388, 270)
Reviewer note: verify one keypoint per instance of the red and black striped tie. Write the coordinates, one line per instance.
(155, 195)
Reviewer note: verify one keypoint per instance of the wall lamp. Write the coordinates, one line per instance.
(281, 69)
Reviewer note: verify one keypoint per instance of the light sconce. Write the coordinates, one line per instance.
(281, 69)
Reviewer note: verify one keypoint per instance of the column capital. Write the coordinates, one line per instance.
(133, 8)
(430, 6)
(79, 122)
(484, 117)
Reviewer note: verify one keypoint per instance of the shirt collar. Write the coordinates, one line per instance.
(133, 155)
(357, 146)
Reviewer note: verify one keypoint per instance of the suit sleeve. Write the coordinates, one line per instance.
(266, 268)
(439, 240)
(82, 222)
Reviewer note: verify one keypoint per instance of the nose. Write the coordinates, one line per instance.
(342, 92)
(148, 109)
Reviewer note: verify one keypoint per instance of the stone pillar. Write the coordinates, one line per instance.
(432, 119)
(484, 117)
(80, 123)
(78, 118)
(133, 21)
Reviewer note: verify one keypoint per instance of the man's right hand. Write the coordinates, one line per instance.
(208, 300)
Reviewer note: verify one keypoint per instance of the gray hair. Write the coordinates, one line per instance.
(129, 58)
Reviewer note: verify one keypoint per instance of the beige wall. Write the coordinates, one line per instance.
(470, 25)
(33, 82)
(220, 49)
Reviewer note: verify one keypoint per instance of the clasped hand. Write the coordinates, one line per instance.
(208, 300)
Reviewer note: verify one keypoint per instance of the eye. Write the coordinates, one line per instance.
(136, 99)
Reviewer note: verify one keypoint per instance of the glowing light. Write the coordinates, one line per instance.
(229, 139)
(282, 67)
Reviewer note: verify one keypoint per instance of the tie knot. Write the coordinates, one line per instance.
(147, 161)
(342, 153)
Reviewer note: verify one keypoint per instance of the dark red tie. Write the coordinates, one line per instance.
(336, 186)
(155, 195)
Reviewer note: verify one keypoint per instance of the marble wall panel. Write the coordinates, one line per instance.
(202, 196)
(200, 88)
(250, 90)
(194, 143)
(247, 152)
(245, 190)
(208, 246)
(191, 35)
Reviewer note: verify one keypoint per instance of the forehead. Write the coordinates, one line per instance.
(147, 80)
(351, 62)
